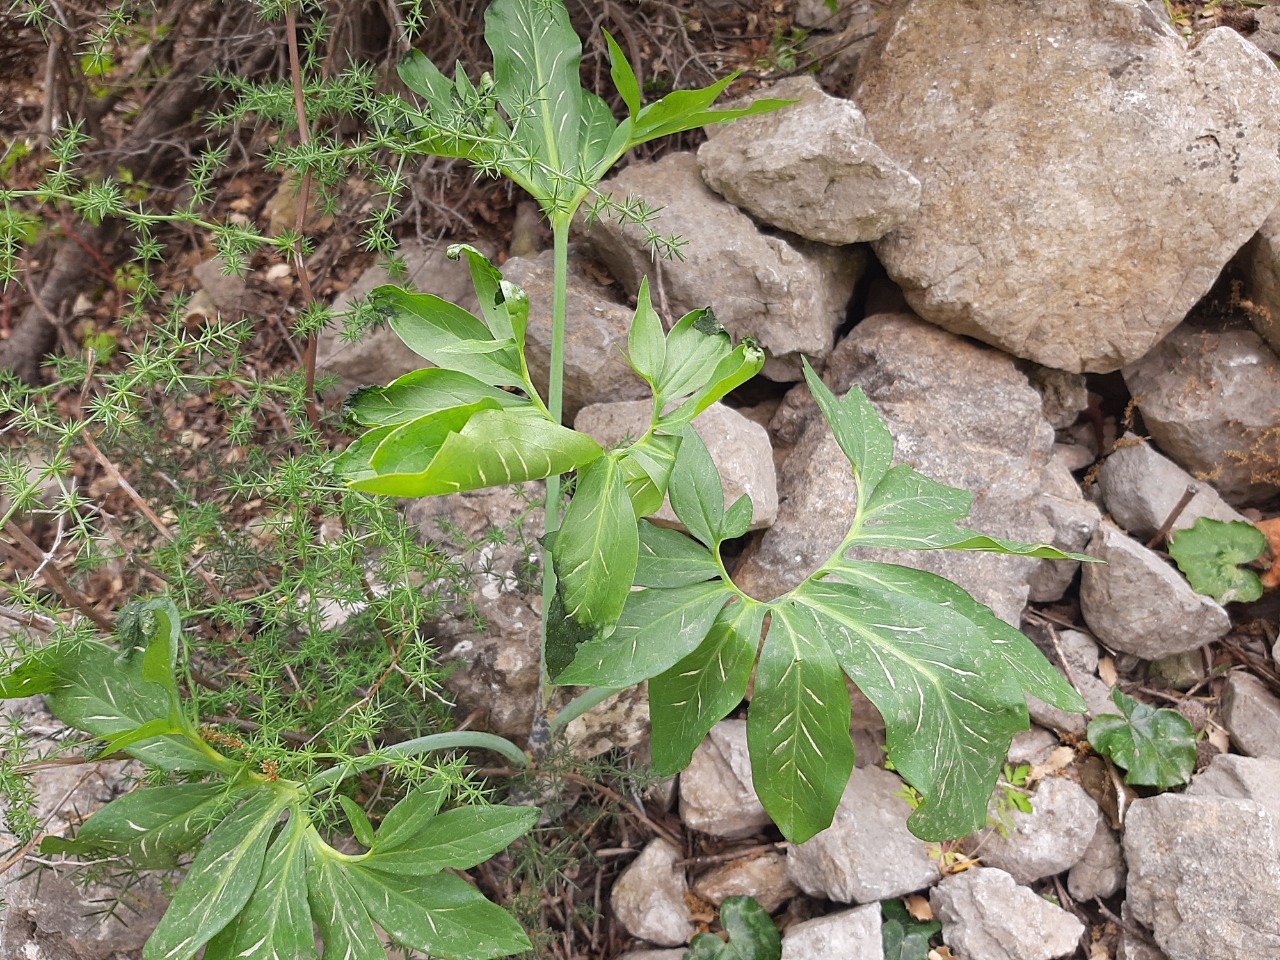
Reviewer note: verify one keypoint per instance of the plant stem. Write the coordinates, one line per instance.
(581, 704)
(435, 741)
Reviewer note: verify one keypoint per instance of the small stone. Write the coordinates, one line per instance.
(1063, 394)
(867, 853)
(1141, 488)
(1211, 399)
(739, 448)
(717, 795)
(653, 955)
(1241, 778)
(848, 935)
(986, 916)
(1263, 258)
(763, 877)
(1047, 841)
(1137, 603)
(1267, 35)
(1100, 872)
(1032, 746)
(649, 898)
(1251, 713)
(809, 168)
(1074, 520)
(620, 723)
(1179, 671)
(1204, 875)
(226, 292)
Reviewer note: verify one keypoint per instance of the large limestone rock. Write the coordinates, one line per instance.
(1210, 398)
(959, 413)
(1085, 174)
(1204, 875)
(789, 294)
(809, 168)
(1051, 839)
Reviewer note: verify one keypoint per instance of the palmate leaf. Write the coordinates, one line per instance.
(949, 677)
(219, 883)
(1155, 747)
(276, 922)
(1210, 555)
(441, 915)
(752, 934)
(345, 925)
(597, 546)
(152, 826)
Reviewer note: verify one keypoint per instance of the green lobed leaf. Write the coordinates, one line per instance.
(647, 467)
(696, 493)
(504, 305)
(276, 922)
(152, 826)
(36, 674)
(695, 348)
(147, 731)
(345, 926)
(752, 934)
(359, 820)
(496, 447)
(536, 59)
(646, 343)
(1156, 747)
(563, 635)
(683, 110)
(434, 329)
(155, 628)
(903, 936)
(733, 370)
(411, 447)
(458, 839)
(1210, 554)
(414, 811)
(670, 559)
(624, 77)
(421, 393)
(219, 883)
(949, 700)
(737, 519)
(440, 915)
(103, 693)
(858, 429)
(657, 629)
(798, 725)
(686, 701)
(422, 76)
(597, 545)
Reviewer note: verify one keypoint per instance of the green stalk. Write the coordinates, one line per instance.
(458, 740)
(555, 403)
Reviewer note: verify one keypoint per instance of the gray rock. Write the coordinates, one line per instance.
(1074, 519)
(1081, 655)
(1025, 237)
(986, 916)
(1137, 603)
(1136, 943)
(1267, 36)
(789, 294)
(739, 447)
(1140, 488)
(849, 935)
(620, 723)
(1049, 840)
(763, 877)
(1032, 746)
(1211, 400)
(717, 794)
(653, 955)
(867, 853)
(596, 328)
(1241, 778)
(649, 898)
(1100, 872)
(940, 395)
(818, 14)
(1251, 713)
(379, 356)
(496, 669)
(1204, 875)
(227, 293)
(809, 168)
(1263, 259)
(1064, 394)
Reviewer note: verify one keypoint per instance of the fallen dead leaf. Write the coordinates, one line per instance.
(941, 953)
(1107, 671)
(919, 908)
(1271, 530)
(1058, 761)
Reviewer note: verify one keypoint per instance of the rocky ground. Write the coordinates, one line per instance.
(1042, 237)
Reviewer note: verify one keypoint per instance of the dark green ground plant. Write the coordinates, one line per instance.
(1156, 747)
